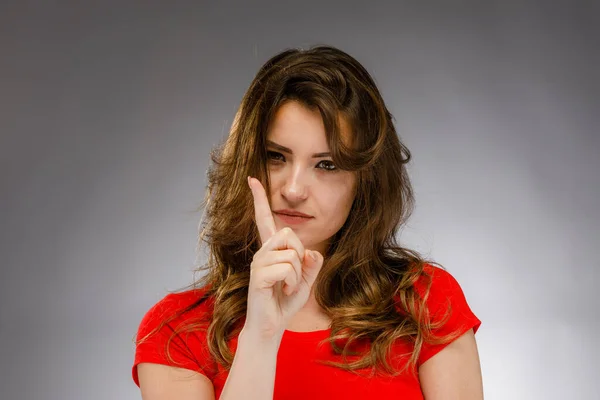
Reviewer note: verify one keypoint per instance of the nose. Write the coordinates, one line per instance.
(295, 187)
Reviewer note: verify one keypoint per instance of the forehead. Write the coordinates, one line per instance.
(294, 118)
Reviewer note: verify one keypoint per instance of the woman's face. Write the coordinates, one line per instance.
(304, 178)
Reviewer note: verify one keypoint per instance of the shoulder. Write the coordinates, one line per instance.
(162, 337)
(447, 304)
(444, 300)
(437, 274)
(176, 308)
(180, 301)
(438, 281)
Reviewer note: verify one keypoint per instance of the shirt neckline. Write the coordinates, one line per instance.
(309, 335)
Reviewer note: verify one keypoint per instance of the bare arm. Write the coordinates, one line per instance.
(162, 382)
(281, 261)
(454, 373)
(252, 375)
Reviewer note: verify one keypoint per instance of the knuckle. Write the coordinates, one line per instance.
(290, 253)
(292, 272)
(298, 260)
(292, 256)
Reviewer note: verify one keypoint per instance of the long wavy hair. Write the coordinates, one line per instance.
(367, 283)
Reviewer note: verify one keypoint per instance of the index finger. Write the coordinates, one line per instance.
(262, 210)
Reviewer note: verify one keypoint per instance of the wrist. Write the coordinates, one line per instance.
(262, 339)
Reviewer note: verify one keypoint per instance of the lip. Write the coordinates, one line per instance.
(292, 213)
(292, 219)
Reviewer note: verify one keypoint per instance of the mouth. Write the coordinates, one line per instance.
(292, 219)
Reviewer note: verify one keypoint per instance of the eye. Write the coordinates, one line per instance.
(328, 165)
(274, 156)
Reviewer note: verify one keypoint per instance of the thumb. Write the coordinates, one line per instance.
(311, 266)
(314, 258)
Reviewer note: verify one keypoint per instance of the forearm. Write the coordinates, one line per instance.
(252, 374)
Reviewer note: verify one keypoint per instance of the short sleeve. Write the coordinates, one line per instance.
(187, 349)
(446, 292)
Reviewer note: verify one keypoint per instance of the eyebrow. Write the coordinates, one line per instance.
(289, 151)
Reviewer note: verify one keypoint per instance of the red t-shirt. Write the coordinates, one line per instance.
(298, 375)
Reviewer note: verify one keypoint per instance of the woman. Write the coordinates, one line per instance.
(306, 292)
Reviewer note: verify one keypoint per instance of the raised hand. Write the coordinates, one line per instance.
(281, 274)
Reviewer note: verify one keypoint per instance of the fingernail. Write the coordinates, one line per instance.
(249, 183)
(313, 255)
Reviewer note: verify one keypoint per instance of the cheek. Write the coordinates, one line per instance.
(347, 190)
(337, 206)
(335, 210)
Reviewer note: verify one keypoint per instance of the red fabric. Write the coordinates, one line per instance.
(298, 375)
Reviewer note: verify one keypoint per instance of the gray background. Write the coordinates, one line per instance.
(109, 110)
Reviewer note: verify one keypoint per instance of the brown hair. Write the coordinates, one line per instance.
(367, 285)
